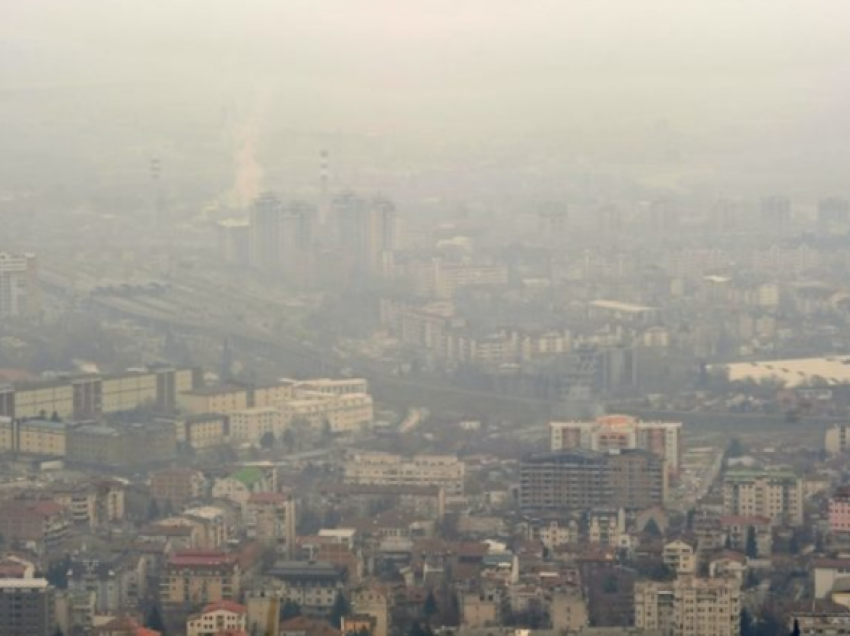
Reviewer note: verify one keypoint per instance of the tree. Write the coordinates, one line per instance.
(417, 629)
(748, 627)
(429, 608)
(58, 632)
(289, 609)
(339, 610)
(794, 544)
(267, 440)
(57, 573)
(752, 547)
(154, 620)
(55, 417)
(728, 542)
(651, 528)
(735, 449)
(796, 630)
(153, 510)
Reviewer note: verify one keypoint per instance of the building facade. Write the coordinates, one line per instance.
(617, 432)
(582, 479)
(775, 495)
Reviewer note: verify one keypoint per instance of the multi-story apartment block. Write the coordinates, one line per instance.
(112, 446)
(360, 500)
(342, 413)
(616, 432)
(27, 607)
(330, 386)
(837, 439)
(206, 430)
(43, 399)
(19, 290)
(775, 495)
(223, 399)
(689, 606)
(250, 425)
(88, 396)
(197, 577)
(271, 519)
(583, 479)
(839, 511)
(314, 585)
(178, 486)
(92, 503)
(384, 469)
(40, 523)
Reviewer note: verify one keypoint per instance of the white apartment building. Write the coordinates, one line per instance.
(343, 413)
(836, 439)
(775, 495)
(19, 294)
(332, 387)
(249, 425)
(617, 432)
(384, 469)
(689, 606)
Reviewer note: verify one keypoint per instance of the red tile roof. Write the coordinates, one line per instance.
(228, 606)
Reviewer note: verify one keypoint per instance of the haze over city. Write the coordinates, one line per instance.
(479, 318)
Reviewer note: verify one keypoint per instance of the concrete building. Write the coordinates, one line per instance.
(583, 479)
(271, 520)
(178, 486)
(775, 495)
(19, 289)
(27, 608)
(374, 601)
(34, 437)
(384, 469)
(250, 425)
(617, 432)
(342, 413)
(196, 577)
(42, 437)
(314, 585)
(680, 557)
(820, 622)
(41, 399)
(203, 431)
(331, 387)
(839, 511)
(837, 439)
(281, 234)
(689, 606)
(225, 399)
(112, 446)
(40, 524)
(365, 233)
(218, 618)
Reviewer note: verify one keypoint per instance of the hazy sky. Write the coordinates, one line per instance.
(468, 70)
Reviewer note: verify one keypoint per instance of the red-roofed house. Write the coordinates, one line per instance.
(123, 626)
(217, 618)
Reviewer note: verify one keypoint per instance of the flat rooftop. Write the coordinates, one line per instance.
(833, 370)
